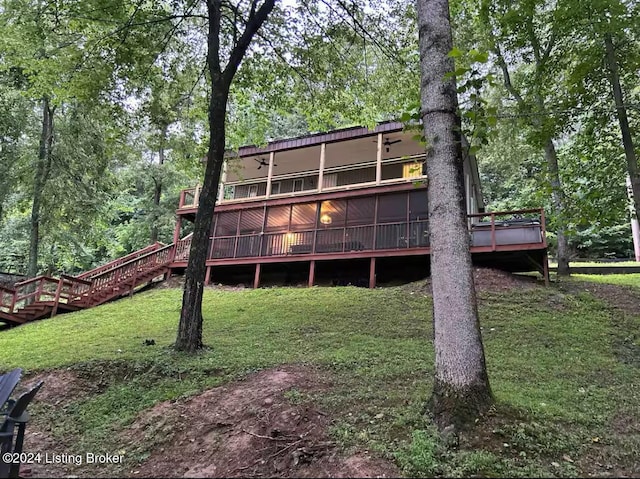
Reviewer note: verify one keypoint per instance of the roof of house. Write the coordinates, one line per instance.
(318, 138)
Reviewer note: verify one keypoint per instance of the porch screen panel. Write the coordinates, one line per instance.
(418, 219)
(333, 214)
(303, 216)
(361, 211)
(251, 221)
(392, 208)
(418, 208)
(227, 224)
(391, 232)
(277, 218)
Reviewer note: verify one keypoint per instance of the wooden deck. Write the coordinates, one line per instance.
(512, 240)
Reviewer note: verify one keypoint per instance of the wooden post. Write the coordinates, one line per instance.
(323, 154)
(223, 180)
(176, 231)
(312, 272)
(196, 196)
(207, 276)
(372, 273)
(545, 268)
(379, 160)
(56, 300)
(256, 278)
(272, 156)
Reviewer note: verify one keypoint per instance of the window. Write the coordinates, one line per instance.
(330, 180)
(298, 185)
(229, 192)
(253, 191)
(275, 188)
(412, 170)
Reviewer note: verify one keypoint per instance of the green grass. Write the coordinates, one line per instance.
(550, 355)
(554, 264)
(619, 279)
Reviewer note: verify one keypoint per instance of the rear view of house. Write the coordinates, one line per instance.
(346, 206)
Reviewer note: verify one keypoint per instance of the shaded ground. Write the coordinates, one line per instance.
(254, 428)
(495, 280)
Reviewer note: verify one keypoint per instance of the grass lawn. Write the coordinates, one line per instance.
(618, 279)
(560, 385)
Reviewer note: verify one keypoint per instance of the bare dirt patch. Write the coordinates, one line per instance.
(256, 427)
(496, 280)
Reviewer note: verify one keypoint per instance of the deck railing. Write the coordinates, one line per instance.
(503, 228)
(124, 259)
(189, 197)
(42, 289)
(114, 278)
(126, 274)
(488, 232)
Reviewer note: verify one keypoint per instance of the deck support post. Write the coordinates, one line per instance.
(372, 273)
(207, 276)
(312, 272)
(176, 231)
(256, 278)
(545, 268)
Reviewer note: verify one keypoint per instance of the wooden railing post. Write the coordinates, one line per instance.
(56, 299)
(493, 231)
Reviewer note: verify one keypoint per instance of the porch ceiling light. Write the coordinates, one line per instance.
(325, 219)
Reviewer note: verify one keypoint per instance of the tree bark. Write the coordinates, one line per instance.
(557, 195)
(43, 167)
(621, 111)
(461, 389)
(190, 328)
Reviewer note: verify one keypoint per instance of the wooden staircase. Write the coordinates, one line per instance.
(45, 296)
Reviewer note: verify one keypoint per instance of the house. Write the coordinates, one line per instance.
(346, 206)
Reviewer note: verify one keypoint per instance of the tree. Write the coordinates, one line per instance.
(524, 35)
(220, 76)
(461, 388)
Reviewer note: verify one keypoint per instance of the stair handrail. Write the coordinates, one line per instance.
(123, 259)
(144, 256)
(37, 291)
(10, 293)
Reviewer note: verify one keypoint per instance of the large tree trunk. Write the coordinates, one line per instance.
(43, 167)
(557, 195)
(621, 111)
(461, 387)
(157, 190)
(190, 327)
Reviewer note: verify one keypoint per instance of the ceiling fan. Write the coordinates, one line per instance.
(262, 162)
(387, 142)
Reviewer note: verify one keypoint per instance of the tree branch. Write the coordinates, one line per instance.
(507, 77)
(255, 21)
(213, 55)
